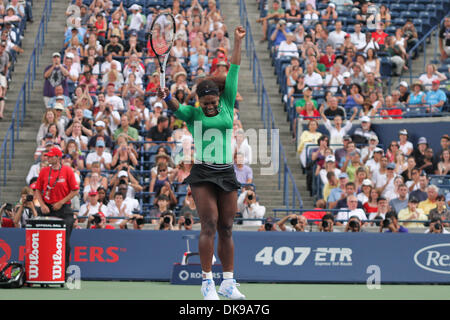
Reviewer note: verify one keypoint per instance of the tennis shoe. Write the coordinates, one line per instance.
(209, 290)
(228, 289)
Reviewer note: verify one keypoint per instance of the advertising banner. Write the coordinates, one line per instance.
(259, 256)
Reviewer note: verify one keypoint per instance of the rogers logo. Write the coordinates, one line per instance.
(434, 258)
(6, 251)
(34, 257)
(57, 258)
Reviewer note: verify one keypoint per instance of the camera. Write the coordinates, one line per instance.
(386, 222)
(166, 219)
(139, 221)
(268, 226)
(354, 224)
(250, 197)
(437, 226)
(325, 224)
(97, 218)
(29, 198)
(8, 207)
(294, 221)
(187, 221)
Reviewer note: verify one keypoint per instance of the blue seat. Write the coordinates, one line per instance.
(408, 14)
(385, 67)
(416, 7)
(399, 22)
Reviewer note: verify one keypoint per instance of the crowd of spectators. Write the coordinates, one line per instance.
(14, 15)
(128, 151)
(349, 50)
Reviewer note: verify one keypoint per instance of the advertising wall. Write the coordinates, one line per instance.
(259, 256)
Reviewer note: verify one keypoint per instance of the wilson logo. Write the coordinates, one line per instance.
(434, 258)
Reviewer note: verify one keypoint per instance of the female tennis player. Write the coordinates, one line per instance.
(212, 178)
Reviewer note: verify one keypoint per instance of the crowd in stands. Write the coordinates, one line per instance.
(330, 58)
(349, 50)
(130, 154)
(14, 15)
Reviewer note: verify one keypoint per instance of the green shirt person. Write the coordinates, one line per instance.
(212, 177)
(131, 132)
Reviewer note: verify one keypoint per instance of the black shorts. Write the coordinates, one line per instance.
(224, 178)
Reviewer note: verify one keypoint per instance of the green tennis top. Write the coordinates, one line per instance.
(212, 135)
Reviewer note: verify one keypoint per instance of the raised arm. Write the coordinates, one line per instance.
(239, 34)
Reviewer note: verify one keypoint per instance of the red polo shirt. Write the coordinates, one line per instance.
(379, 37)
(61, 181)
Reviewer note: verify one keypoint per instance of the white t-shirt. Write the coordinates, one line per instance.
(359, 40)
(345, 215)
(313, 80)
(335, 84)
(99, 207)
(287, 50)
(116, 101)
(404, 148)
(337, 38)
(93, 157)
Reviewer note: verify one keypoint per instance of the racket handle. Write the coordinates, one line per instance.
(162, 80)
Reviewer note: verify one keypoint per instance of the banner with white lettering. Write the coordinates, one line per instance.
(259, 256)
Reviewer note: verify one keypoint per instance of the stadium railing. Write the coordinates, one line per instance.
(291, 195)
(13, 132)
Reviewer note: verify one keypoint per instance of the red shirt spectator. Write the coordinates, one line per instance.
(6, 223)
(379, 36)
(316, 215)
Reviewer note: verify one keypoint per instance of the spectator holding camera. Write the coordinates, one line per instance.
(436, 226)
(189, 206)
(25, 209)
(327, 223)
(186, 221)
(269, 225)
(441, 211)
(391, 224)
(117, 208)
(250, 208)
(298, 223)
(98, 221)
(166, 221)
(353, 225)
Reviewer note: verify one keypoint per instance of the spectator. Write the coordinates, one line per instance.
(186, 221)
(98, 221)
(431, 201)
(7, 216)
(279, 34)
(189, 205)
(396, 55)
(91, 206)
(391, 224)
(327, 224)
(288, 47)
(417, 97)
(337, 194)
(54, 74)
(381, 212)
(435, 98)
(344, 215)
(100, 134)
(364, 194)
(100, 155)
(429, 163)
(412, 212)
(379, 35)
(440, 212)
(160, 132)
(431, 74)
(337, 36)
(334, 109)
(244, 173)
(353, 225)
(330, 185)
(25, 209)
(250, 208)
(443, 166)
(166, 221)
(404, 145)
(337, 132)
(445, 144)
(436, 226)
(298, 223)
(400, 202)
(444, 39)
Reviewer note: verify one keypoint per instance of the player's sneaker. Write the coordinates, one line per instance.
(228, 290)
(209, 290)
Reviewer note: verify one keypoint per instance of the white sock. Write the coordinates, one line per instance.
(228, 275)
(207, 275)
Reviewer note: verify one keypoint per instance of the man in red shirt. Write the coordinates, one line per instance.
(55, 188)
(316, 215)
(6, 222)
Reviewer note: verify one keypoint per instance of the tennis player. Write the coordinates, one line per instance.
(212, 178)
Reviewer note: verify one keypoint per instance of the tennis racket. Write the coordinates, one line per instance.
(162, 34)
